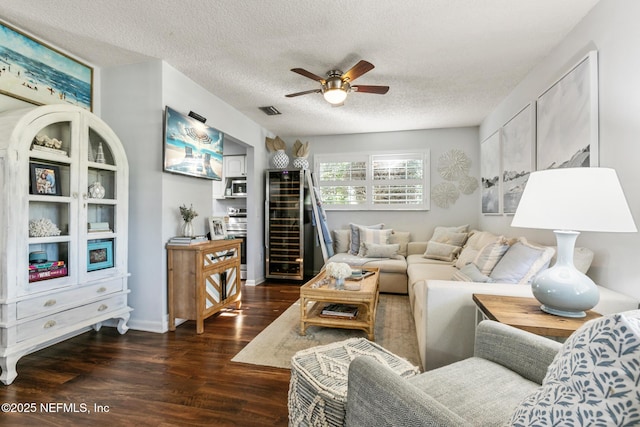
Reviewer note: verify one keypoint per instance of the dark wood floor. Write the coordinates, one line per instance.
(146, 379)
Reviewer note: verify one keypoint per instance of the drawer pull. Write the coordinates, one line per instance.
(50, 324)
(222, 255)
(50, 303)
(103, 307)
(101, 289)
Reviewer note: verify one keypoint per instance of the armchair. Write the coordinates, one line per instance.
(514, 378)
(507, 366)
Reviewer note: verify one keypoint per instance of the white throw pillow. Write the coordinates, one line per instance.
(402, 238)
(522, 262)
(341, 241)
(441, 251)
(354, 246)
(593, 380)
(374, 250)
(471, 273)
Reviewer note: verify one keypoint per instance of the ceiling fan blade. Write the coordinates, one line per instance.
(308, 74)
(381, 90)
(357, 70)
(291, 95)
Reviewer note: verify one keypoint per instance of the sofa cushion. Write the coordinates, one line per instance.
(426, 272)
(380, 237)
(441, 251)
(397, 264)
(354, 246)
(374, 250)
(521, 262)
(456, 387)
(470, 273)
(341, 241)
(402, 238)
(594, 378)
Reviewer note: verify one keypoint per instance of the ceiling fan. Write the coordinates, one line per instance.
(337, 84)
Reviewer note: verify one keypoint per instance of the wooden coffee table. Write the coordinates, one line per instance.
(314, 297)
(525, 313)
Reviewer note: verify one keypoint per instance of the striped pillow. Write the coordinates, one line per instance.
(369, 235)
(489, 255)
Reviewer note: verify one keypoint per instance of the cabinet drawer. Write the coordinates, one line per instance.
(50, 324)
(71, 298)
(213, 257)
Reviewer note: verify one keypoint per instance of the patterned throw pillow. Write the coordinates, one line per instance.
(593, 380)
(355, 236)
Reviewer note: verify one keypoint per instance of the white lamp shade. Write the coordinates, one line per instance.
(581, 199)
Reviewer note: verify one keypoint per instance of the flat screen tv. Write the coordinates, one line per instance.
(191, 147)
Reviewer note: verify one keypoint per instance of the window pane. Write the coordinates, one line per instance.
(397, 169)
(343, 171)
(343, 195)
(397, 194)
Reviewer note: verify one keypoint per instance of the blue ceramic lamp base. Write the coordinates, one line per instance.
(563, 290)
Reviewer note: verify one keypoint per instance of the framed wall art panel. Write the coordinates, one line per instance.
(39, 74)
(518, 156)
(567, 118)
(490, 169)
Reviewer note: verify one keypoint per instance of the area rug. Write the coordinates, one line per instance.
(279, 341)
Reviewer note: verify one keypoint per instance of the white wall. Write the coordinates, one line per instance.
(612, 29)
(438, 141)
(134, 97)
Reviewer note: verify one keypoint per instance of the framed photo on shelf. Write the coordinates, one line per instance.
(99, 255)
(217, 228)
(45, 179)
(37, 73)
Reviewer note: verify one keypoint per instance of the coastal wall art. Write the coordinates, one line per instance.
(490, 173)
(36, 73)
(518, 156)
(567, 118)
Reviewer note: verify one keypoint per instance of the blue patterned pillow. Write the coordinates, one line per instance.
(593, 380)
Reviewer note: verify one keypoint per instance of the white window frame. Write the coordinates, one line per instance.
(369, 182)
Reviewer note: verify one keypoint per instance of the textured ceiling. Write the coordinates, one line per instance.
(448, 62)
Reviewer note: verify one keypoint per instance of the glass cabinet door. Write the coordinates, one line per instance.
(284, 224)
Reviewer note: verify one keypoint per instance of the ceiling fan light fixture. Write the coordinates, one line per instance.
(335, 96)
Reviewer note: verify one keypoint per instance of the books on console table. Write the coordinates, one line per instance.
(186, 241)
(340, 311)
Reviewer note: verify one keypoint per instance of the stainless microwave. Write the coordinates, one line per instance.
(238, 187)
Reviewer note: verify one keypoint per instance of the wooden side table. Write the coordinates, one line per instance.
(525, 314)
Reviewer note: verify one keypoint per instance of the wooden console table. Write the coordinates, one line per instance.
(203, 279)
(525, 314)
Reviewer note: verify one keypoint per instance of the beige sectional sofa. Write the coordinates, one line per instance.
(441, 299)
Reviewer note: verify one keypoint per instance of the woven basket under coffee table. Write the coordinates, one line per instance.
(318, 386)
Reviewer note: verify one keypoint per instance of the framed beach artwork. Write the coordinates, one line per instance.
(518, 156)
(34, 72)
(567, 118)
(490, 174)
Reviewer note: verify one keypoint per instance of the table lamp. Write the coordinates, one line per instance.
(570, 200)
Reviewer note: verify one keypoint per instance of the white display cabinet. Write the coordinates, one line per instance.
(63, 229)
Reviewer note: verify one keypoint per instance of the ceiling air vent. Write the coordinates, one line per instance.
(270, 110)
